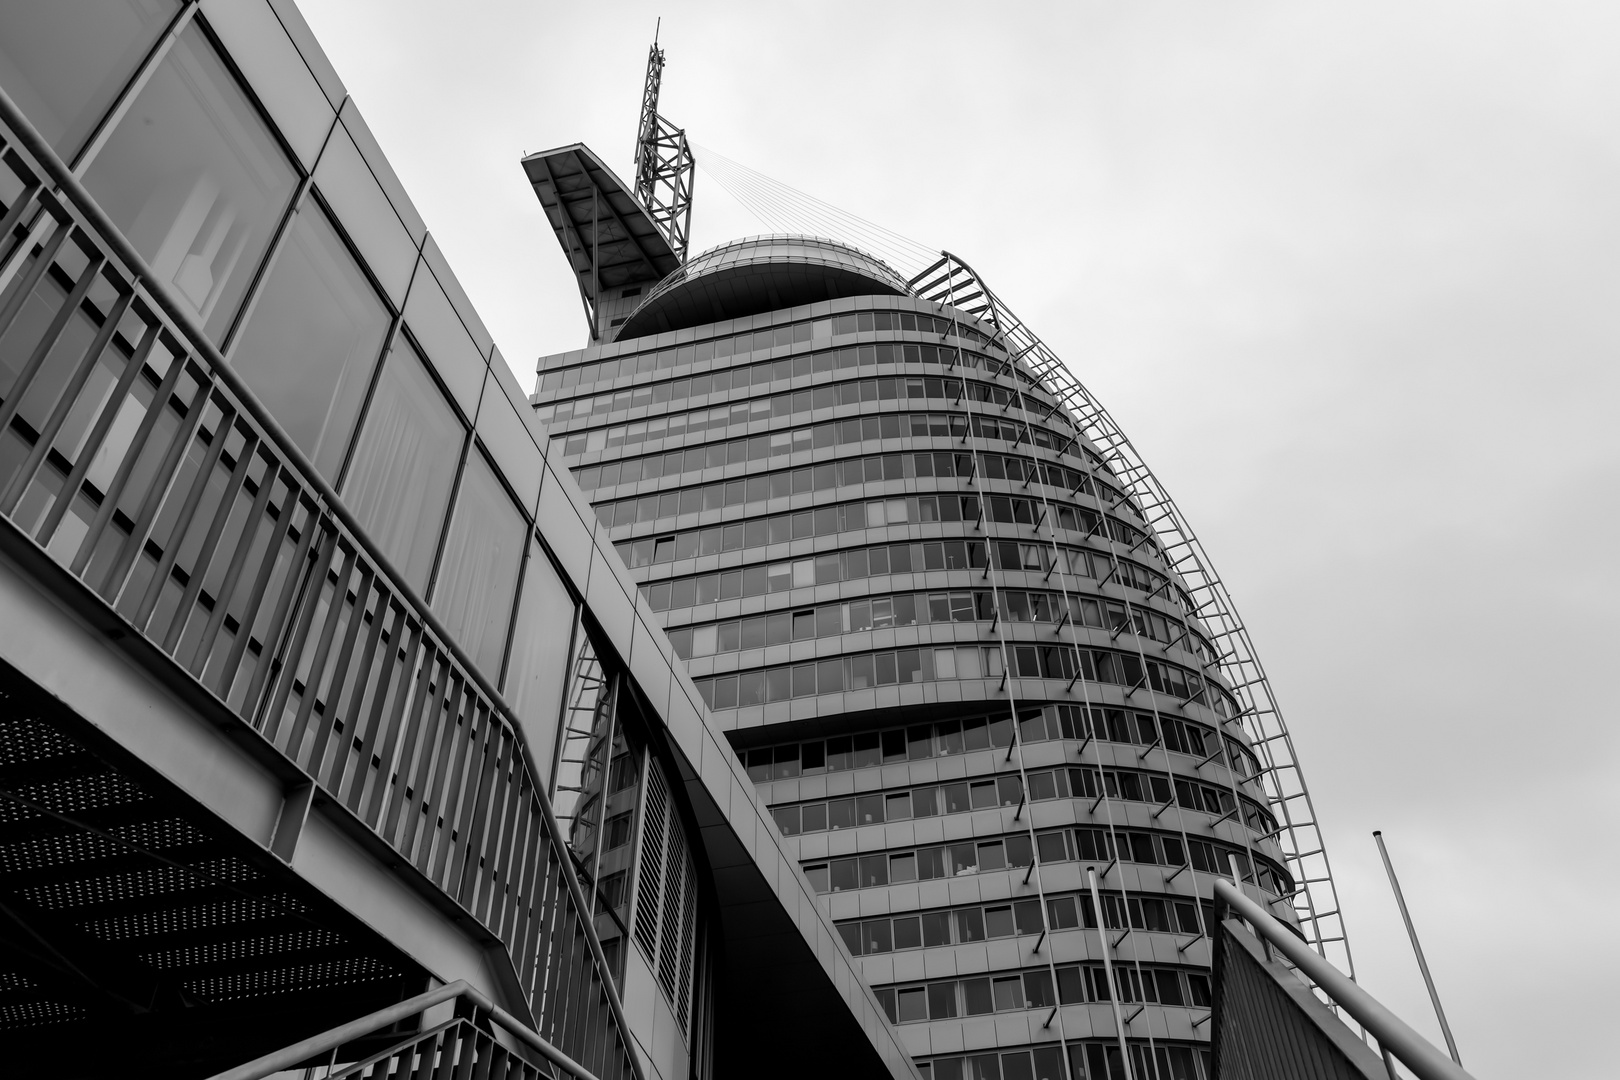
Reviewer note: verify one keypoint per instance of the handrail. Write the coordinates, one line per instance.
(290, 1056)
(1393, 1034)
(109, 233)
(70, 190)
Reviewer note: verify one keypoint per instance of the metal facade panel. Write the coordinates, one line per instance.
(1268, 1026)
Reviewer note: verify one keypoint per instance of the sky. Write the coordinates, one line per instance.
(1347, 276)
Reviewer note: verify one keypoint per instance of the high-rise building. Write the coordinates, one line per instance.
(931, 611)
(336, 734)
(325, 711)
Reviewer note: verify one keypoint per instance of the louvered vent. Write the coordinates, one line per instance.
(669, 933)
(651, 874)
(666, 898)
(683, 1001)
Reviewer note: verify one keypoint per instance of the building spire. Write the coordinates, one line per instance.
(665, 168)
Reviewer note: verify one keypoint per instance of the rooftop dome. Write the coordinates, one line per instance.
(759, 273)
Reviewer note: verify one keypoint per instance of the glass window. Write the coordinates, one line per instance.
(478, 572)
(399, 482)
(538, 670)
(195, 180)
(976, 997)
(63, 62)
(874, 870)
(308, 348)
(1009, 993)
(844, 875)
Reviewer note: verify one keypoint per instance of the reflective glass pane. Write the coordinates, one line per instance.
(63, 62)
(478, 571)
(538, 669)
(399, 482)
(195, 180)
(308, 349)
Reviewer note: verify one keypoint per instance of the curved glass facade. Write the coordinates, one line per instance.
(954, 659)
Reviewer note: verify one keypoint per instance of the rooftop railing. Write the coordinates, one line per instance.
(134, 460)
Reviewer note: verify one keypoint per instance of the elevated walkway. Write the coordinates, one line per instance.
(249, 783)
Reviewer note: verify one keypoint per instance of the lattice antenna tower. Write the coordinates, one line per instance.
(665, 167)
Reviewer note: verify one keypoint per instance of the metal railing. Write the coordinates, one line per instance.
(460, 1044)
(132, 456)
(1315, 899)
(1392, 1033)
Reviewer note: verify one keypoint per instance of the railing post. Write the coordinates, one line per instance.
(1108, 969)
(1392, 1033)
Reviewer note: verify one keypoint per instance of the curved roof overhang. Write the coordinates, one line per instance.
(758, 274)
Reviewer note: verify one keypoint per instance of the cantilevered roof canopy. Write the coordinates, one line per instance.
(607, 236)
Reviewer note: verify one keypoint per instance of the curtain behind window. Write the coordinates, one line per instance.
(398, 485)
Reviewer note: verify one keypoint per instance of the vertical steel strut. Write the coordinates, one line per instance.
(665, 167)
(1315, 901)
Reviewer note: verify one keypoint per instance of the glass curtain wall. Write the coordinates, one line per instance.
(195, 180)
(311, 341)
(398, 484)
(201, 184)
(64, 62)
(478, 570)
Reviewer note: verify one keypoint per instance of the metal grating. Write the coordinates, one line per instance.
(22, 741)
(158, 880)
(234, 949)
(290, 980)
(146, 924)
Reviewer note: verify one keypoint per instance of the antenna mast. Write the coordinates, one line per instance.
(665, 168)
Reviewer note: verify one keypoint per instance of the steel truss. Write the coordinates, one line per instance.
(1315, 899)
(665, 167)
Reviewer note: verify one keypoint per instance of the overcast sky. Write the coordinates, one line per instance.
(1347, 276)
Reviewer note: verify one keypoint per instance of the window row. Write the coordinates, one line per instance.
(757, 532)
(762, 341)
(1087, 1061)
(1077, 984)
(852, 564)
(871, 468)
(921, 608)
(856, 564)
(1005, 509)
(919, 742)
(1078, 844)
(963, 796)
(738, 381)
(983, 922)
(1064, 663)
(851, 673)
(734, 413)
(889, 425)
